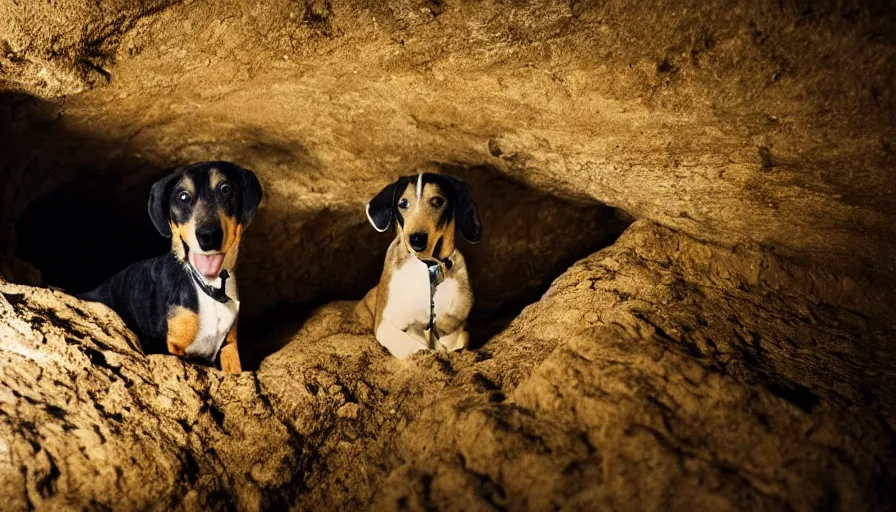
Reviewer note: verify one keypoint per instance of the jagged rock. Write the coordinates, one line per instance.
(661, 372)
(86, 420)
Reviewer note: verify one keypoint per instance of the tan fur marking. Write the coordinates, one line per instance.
(187, 184)
(230, 354)
(177, 242)
(183, 325)
(179, 235)
(365, 310)
(369, 301)
(233, 233)
(447, 234)
(215, 178)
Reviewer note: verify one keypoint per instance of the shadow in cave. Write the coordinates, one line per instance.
(82, 233)
(69, 208)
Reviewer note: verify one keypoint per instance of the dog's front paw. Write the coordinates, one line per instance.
(457, 340)
(399, 343)
(230, 360)
(175, 349)
(407, 351)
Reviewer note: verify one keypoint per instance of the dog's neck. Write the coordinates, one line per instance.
(211, 288)
(220, 293)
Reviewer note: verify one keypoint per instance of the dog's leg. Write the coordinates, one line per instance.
(456, 340)
(365, 310)
(399, 343)
(183, 325)
(369, 300)
(456, 337)
(230, 356)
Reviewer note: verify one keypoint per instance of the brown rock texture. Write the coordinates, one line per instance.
(89, 421)
(683, 296)
(661, 372)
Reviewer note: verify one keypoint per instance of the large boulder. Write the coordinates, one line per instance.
(88, 421)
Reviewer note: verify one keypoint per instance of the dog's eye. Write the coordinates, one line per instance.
(403, 204)
(226, 189)
(184, 197)
(437, 202)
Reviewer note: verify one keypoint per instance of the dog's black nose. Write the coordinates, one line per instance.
(418, 241)
(210, 238)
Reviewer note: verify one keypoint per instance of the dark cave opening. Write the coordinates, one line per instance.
(84, 232)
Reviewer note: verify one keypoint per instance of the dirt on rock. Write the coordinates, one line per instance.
(683, 295)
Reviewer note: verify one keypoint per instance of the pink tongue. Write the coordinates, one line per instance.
(208, 264)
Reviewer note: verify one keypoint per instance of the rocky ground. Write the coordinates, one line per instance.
(661, 372)
(683, 292)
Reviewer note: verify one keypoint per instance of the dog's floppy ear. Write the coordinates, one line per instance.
(251, 190)
(159, 197)
(381, 208)
(466, 213)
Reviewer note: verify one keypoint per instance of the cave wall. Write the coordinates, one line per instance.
(731, 351)
(770, 122)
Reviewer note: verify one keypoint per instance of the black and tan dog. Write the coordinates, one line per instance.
(185, 302)
(424, 296)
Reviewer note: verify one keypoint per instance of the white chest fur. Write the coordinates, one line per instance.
(408, 302)
(215, 321)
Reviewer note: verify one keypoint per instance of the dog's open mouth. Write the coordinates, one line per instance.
(208, 264)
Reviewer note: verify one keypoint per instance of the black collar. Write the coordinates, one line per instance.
(219, 294)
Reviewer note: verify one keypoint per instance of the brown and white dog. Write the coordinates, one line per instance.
(411, 311)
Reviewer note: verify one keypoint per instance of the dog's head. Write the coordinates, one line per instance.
(428, 208)
(204, 207)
